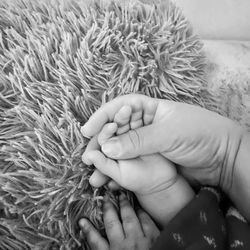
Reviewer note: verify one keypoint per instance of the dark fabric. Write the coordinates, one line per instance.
(203, 225)
(238, 234)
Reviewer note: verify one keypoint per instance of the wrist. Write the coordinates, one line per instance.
(156, 190)
(240, 176)
(233, 143)
(166, 203)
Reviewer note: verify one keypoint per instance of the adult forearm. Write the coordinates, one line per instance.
(240, 188)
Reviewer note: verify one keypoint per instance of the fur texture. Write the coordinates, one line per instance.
(59, 61)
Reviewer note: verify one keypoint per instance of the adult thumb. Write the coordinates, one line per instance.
(135, 142)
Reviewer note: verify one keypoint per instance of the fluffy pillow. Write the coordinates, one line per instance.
(59, 61)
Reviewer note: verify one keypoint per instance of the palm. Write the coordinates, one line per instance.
(195, 139)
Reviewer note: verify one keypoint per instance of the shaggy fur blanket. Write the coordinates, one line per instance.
(59, 61)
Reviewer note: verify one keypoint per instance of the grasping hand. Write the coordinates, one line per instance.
(142, 175)
(204, 143)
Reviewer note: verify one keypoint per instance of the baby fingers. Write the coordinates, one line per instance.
(105, 165)
(93, 237)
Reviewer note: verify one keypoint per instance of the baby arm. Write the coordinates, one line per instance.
(164, 204)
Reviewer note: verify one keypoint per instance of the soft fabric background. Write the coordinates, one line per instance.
(59, 61)
(218, 19)
(58, 64)
(224, 27)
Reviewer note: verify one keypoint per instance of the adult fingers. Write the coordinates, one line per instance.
(94, 239)
(107, 112)
(140, 141)
(113, 226)
(130, 222)
(149, 228)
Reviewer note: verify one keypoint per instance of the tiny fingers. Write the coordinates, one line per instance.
(128, 118)
(149, 228)
(105, 165)
(130, 222)
(149, 112)
(98, 179)
(92, 145)
(122, 118)
(94, 239)
(107, 132)
(136, 120)
(112, 224)
(114, 186)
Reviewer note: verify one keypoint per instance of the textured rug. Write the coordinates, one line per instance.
(59, 61)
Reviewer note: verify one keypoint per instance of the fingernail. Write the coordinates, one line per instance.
(85, 159)
(83, 128)
(112, 148)
(92, 181)
(82, 223)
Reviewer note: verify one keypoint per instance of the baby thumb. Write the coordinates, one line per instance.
(134, 143)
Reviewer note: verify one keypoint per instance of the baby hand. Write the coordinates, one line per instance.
(133, 231)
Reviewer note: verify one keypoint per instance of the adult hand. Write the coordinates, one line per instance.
(134, 231)
(202, 142)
